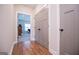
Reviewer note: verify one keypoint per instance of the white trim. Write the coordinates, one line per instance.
(10, 53)
(53, 52)
(32, 39)
(58, 26)
(23, 12)
(40, 8)
(54, 42)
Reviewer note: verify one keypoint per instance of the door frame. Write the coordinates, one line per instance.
(22, 12)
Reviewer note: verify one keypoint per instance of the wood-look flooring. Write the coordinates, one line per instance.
(29, 48)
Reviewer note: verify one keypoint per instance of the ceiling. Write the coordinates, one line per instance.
(33, 6)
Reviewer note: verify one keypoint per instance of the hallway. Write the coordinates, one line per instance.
(53, 26)
(29, 48)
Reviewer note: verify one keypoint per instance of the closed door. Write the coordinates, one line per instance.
(41, 27)
(37, 29)
(69, 29)
(44, 32)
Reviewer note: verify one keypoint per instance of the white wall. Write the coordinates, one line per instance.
(22, 8)
(54, 25)
(7, 35)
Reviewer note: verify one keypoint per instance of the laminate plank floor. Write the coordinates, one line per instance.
(29, 48)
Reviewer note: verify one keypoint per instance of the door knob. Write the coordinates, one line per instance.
(39, 29)
(61, 30)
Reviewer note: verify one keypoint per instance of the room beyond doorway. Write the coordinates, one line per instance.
(24, 22)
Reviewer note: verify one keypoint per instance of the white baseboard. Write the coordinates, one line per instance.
(54, 52)
(32, 39)
(10, 53)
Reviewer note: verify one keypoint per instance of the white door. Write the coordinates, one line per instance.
(41, 27)
(69, 29)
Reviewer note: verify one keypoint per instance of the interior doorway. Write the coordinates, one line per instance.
(23, 26)
(33, 36)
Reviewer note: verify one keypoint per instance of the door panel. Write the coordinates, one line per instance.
(41, 27)
(69, 22)
(44, 31)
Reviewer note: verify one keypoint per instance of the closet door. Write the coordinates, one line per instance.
(44, 32)
(69, 36)
(37, 29)
(41, 30)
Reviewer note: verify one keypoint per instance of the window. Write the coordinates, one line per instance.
(27, 26)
